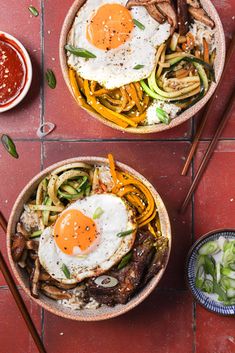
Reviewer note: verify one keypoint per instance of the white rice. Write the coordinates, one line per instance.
(169, 108)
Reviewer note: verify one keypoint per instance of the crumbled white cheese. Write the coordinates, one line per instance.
(200, 31)
(169, 108)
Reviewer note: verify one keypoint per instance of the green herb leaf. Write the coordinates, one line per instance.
(139, 24)
(98, 213)
(125, 260)
(33, 10)
(163, 116)
(50, 77)
(127, 232)
(9, 145)
(138, 67)
(65, 270)
(83, 53)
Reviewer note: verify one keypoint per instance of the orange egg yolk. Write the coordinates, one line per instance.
(74, 229)
(110, 27)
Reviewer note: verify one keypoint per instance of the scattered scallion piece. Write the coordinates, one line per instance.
(125, 260)
(163, 116)
(51, 79)
(9, 146)
(98, 213)
(139, 24)
(124, 234)
(138, 67)
(65, 270)
(33, 11)
(83, 53)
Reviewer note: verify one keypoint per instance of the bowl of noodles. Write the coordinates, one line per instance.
(142, 66)
(89, 238)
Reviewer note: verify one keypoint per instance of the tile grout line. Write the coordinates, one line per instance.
(115, 139)
(42, 98)
(194, 323)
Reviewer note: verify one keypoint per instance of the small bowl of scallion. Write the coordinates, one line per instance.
(210, 271)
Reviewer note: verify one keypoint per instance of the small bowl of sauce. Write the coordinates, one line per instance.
(15, 72)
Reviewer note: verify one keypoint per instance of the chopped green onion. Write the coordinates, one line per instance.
(33, 10)
(98, 213)
(9, 145)
(163, 116)
(139, 24)
(36, 234)
(50, 77)
(207, 286)
(65, 270)
(138, 67)
(83, 53)
(209, 266)
(125, 260)
(127, 232)
(208, 248)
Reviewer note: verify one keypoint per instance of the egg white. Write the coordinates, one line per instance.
(115, 68)
(117, 217)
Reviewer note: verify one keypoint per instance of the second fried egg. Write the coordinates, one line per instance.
(123, 41)
(84, 238)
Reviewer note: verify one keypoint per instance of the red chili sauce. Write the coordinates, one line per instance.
(13, 71)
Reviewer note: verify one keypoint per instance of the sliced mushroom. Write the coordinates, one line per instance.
(22, 262)
(44, 276)
(155, 13)
(21, 229)
(64, 286)
(18, 246)
(168, 10)
(193, 3)
(32, 245)
(183, 17)
(34, 279)
(131, 3)
(201, 15)
(54, 292)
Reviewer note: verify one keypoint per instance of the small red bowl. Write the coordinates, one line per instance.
(20, 49)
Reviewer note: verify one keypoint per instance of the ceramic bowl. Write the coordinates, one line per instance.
(104, 312)
(29, 72)
(199, 296)
(219, 64)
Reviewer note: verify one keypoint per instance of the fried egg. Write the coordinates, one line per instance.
(84, 238)
(124, 52)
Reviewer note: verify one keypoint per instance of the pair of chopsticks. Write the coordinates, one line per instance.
(16, 294)
(209, 112)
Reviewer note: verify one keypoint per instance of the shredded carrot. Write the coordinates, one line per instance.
(113, 171)
(105, 112)
(132, 92)
(148, 220)
(139, 90)
(206, 51)
(76, 91)
(151, 229)
(139, 118)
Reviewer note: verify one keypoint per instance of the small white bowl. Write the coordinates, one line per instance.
(29, 72)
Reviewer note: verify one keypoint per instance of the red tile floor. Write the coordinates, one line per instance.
(168, 321)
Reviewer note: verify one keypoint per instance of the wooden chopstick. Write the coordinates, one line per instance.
(16, 294)
(208, 110)
(210, 150)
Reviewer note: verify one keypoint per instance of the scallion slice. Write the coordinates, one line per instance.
(65, 270)
(98, 213)
(163, 116)
(139, 24)
(138, 67)
(124, 234)
(83, 53)
(9, 145)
